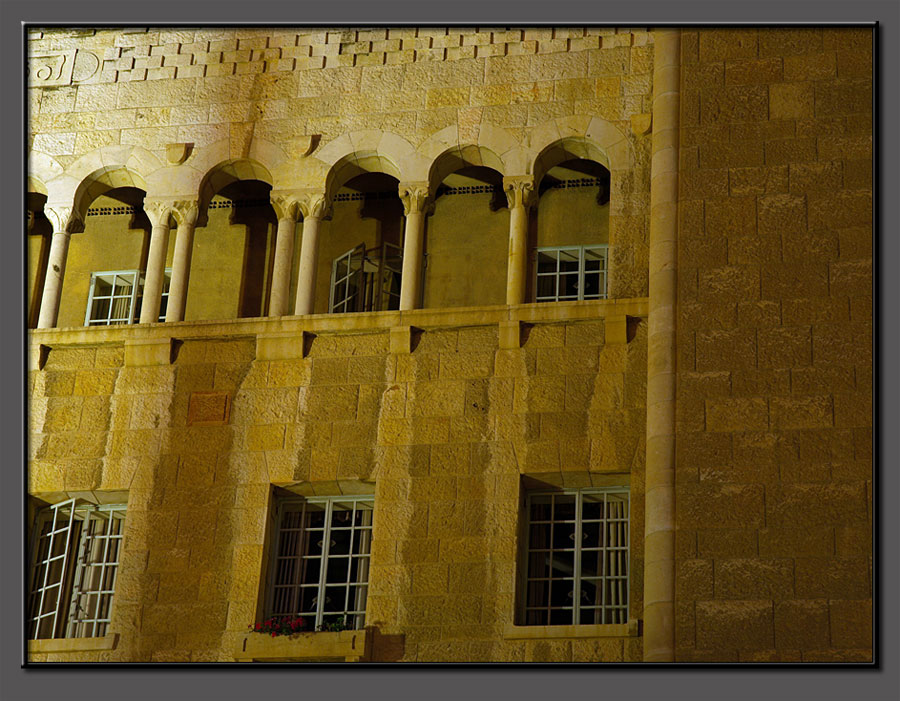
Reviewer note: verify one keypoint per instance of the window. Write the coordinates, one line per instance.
(320, 561)
(76, 556)
(576, 564)
(115, 299)
(366, 281)
(571, 273)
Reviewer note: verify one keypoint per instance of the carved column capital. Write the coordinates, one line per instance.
(313, 204)
(65, 219)
(416, 198)
(286, 204)
(186, 212)
(158, 211)
(519, 190)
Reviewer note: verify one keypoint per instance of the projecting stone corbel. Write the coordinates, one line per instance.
(176, 154)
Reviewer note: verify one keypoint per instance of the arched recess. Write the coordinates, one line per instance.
(234, 241)
(466, 237)
(100, 182)
(360, 249)
(570, 234)
(109, 245)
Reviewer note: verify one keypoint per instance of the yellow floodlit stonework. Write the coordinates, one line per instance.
(477, 345)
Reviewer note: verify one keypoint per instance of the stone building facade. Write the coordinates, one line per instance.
(508, 301)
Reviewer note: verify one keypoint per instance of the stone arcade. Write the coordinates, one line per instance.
(456, 344)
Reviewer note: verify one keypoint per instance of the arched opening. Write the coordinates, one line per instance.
(466, 237)
(234, 244)
(569, 235)
(106, 263)
(361, 250)
(39, 233)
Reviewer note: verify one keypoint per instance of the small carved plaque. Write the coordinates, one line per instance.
(46, 70)
(208, 409)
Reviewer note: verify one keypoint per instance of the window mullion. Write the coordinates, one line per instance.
(581, 273)
(576, 595)
(326, 536)
(65, 562)
(79, 573)
(134, 293)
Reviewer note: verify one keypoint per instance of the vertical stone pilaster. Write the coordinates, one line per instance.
(185, 213)
(314, 206)
(659, 527)
(520, 197)
(64, 219)
(416, 206)
(159, 213)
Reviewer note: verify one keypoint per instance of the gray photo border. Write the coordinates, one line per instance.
(454, 682)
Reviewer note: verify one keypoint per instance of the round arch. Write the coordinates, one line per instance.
(102, 181)
(227, 172)
(463, 156)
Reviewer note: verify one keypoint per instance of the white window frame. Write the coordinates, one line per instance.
(134, 297)
(343, 270)
(580, 252)
(613, 549)
(77, 595)
(286, 579)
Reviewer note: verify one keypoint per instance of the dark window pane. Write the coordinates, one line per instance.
(568, 286)
(546, 262)
(563, 536)
(564, 507)
(546, 287)
(102, 286)
(568, 261)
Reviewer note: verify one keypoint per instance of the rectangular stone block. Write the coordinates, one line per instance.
(737, 414)
(742, 625)
(833, 578)
(720, 506)
(802, 624)
(754, 578)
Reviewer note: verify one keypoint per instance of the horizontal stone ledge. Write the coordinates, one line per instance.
(632, 629)
(150, 351)
(107, 642)
(286, 326)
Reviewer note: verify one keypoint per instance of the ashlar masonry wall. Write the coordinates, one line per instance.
(442, 436)
(774, 464)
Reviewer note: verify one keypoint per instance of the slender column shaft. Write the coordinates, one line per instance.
(411, 282)
(281, 272)
(309, 261)
(518, 258)
(518, 194)
(156, 263)
(61, 218)
(186, 215)
(659, 528)
(415, 198)
(56, 270)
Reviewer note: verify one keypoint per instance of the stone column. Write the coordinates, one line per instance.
(416, 206)
(314, 207)
(185, 213)
(288, 212)
(520, 197)
(659, 526)
(159, 213)
(64, 221)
